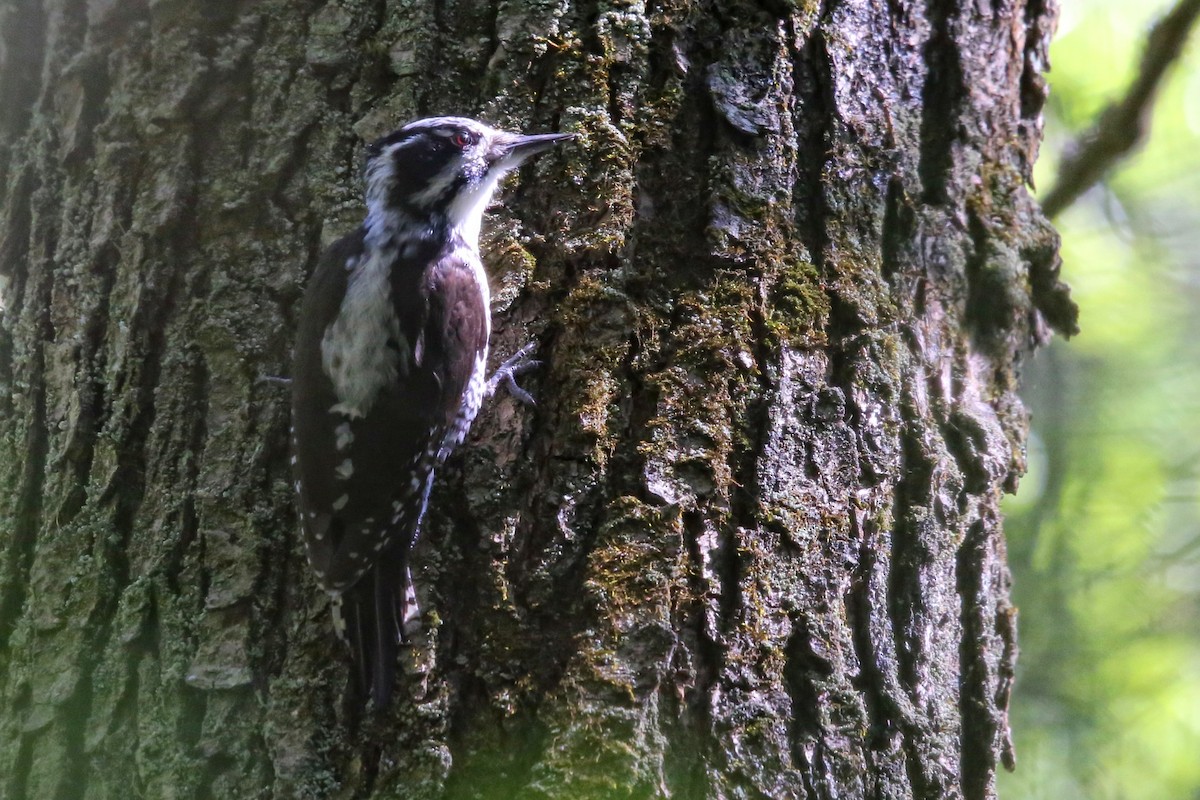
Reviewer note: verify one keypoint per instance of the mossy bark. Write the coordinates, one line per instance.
(746, 545)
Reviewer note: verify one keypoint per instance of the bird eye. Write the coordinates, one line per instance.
(461, 140)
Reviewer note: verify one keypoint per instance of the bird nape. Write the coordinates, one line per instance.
(389, 371)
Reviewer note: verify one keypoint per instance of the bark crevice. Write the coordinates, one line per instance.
(944, 92)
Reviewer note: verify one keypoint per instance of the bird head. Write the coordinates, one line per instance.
(445, 168)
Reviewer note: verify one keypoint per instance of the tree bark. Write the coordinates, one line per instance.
(748, 542)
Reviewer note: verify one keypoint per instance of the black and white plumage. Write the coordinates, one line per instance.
(389, 369)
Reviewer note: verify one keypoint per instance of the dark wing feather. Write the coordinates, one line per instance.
(457, 328)
(313, 437)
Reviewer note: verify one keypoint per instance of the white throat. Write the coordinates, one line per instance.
(466, 212)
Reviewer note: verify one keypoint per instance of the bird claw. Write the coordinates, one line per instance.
(517, 364)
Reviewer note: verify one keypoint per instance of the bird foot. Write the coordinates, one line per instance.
(518, 363)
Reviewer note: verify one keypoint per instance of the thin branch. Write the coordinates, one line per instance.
(1123, 124)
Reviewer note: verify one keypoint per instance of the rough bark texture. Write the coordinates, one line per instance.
(747, 544)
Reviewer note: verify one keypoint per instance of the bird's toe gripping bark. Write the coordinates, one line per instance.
(518, 363)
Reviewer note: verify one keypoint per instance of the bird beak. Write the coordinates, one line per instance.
(517, 149)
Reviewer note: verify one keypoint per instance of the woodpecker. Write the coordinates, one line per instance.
(389, 370)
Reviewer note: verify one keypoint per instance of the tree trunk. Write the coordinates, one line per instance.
(747, 544)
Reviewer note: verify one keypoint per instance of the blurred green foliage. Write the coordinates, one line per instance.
(1104, 536)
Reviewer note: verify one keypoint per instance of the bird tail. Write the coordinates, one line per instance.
(370, 617)
(375, 615)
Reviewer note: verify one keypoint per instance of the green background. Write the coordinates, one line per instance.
(1104, 535)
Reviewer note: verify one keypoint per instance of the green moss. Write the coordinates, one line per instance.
(799, 305)
(631, 565)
